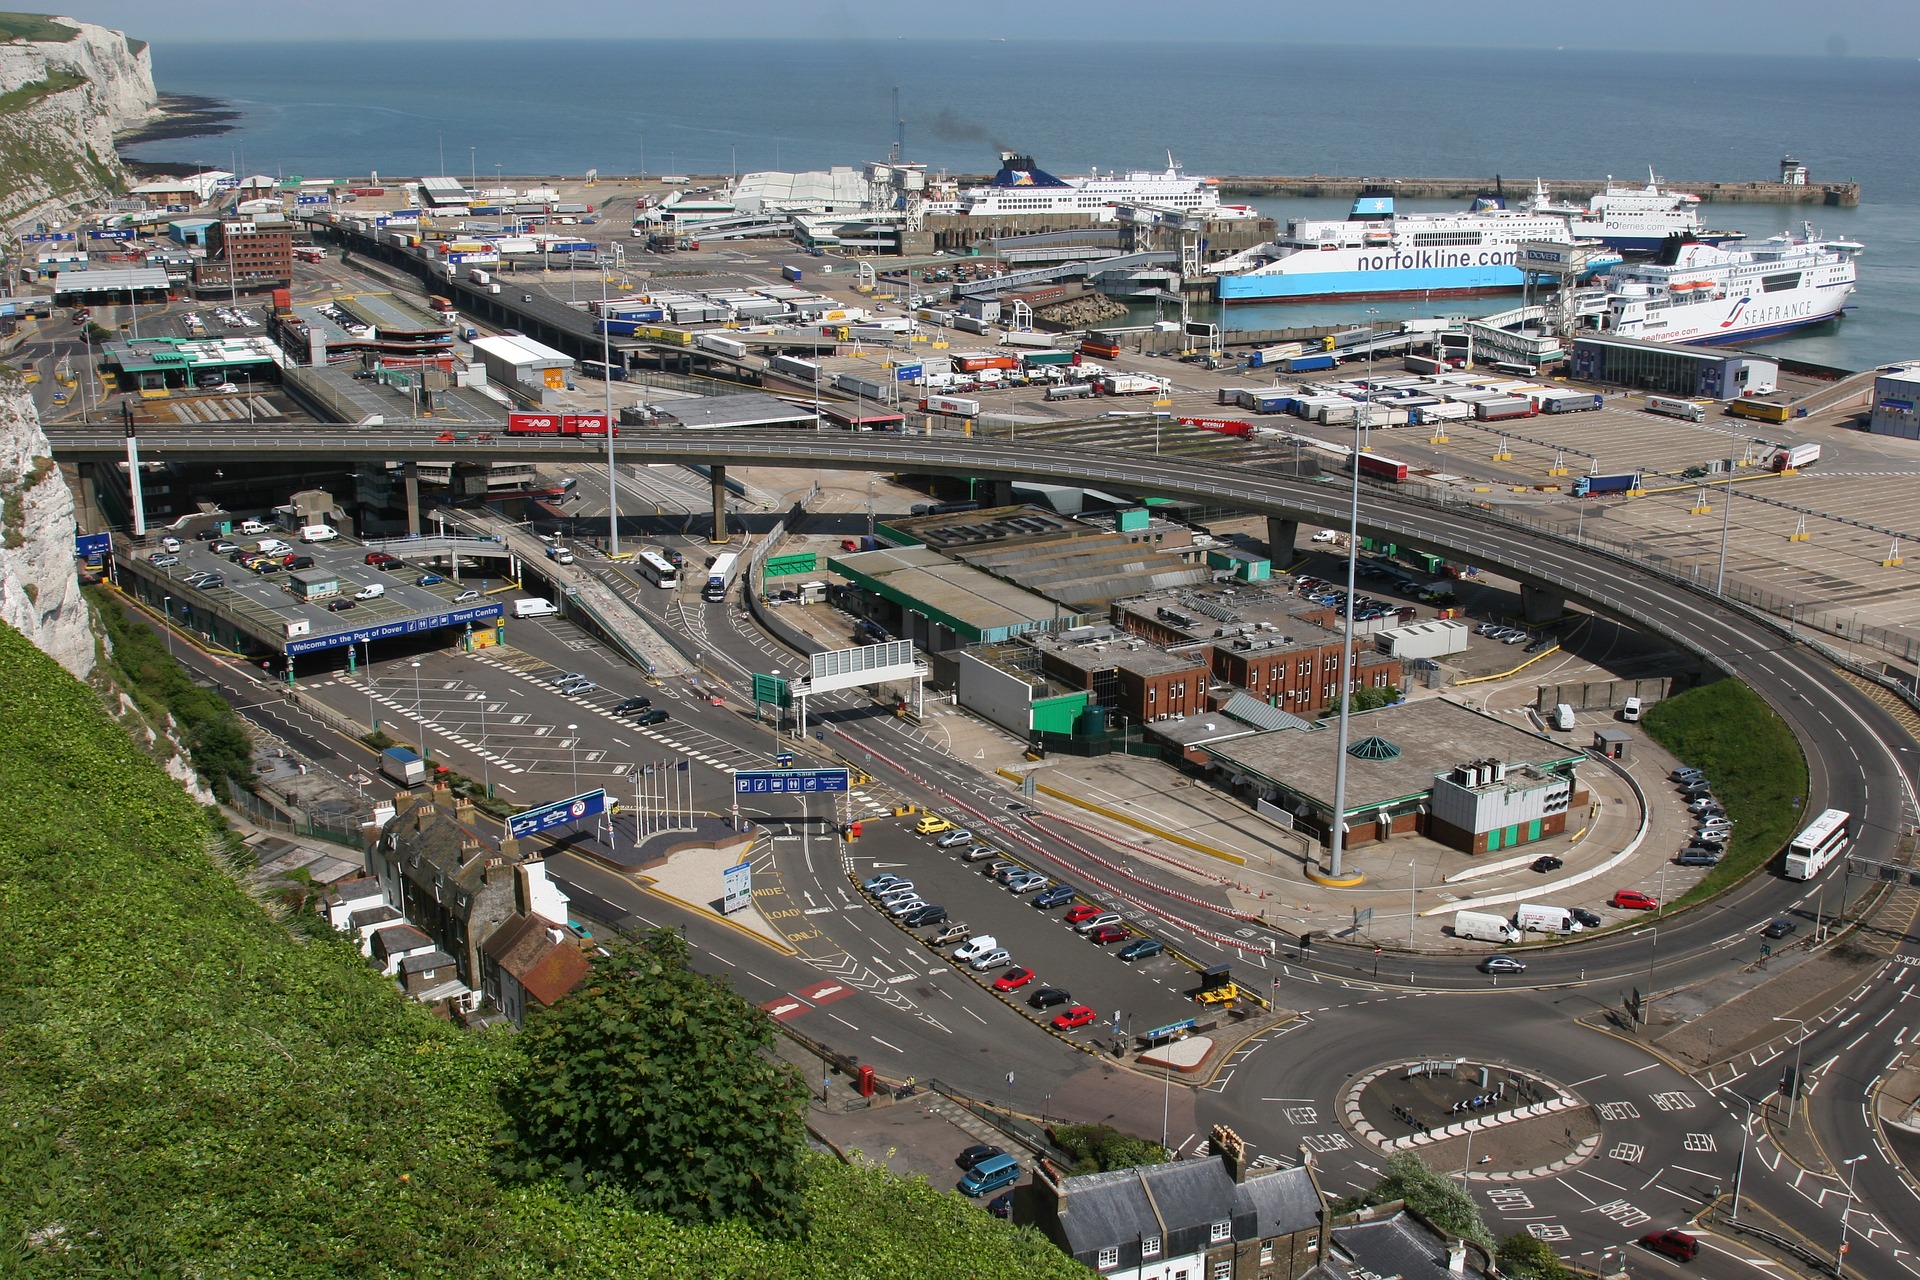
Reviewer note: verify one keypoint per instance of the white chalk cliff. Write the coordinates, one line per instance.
(39, 590)
(56, 144)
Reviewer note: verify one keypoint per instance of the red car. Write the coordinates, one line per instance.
(1085, 911)
(1632, 900)
(1109, 933)
(1677, 1245)
(381, 560)
(1013, 979)
(1078, 1016)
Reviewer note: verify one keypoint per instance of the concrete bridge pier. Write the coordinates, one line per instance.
(1540, 606)
(413, 498)
(1283, 533)
(994, 493)
(719, 533)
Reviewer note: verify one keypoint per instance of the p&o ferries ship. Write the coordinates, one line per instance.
(1020, 187)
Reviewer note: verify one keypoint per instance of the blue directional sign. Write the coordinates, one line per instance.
(751, 782)
(478, 615)
(736, 888)
(558, 814)
(908, 372)
(91, 545)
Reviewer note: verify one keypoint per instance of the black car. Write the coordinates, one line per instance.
(1779, 929)
(652, 715)
(627, 706)
(1587, 919)
(1047, 997)
(341, 605)
(1711, 846)
(924, 916)
(979, 1153)
(1547, 862)
(206, 535)
(1001, 1206)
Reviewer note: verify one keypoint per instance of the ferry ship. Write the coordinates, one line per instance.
(1021, 187)
(1699, 293)
(1376, 253)
(1633, 219)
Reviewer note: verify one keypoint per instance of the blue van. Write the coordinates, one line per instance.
(991, 1175)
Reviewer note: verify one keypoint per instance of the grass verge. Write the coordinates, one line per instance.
(1754, 763)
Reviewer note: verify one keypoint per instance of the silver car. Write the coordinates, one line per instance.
(1094, 922)
(993, 959)
(901, 906)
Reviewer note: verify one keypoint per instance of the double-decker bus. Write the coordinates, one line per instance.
(1815, 848)
(658, 569)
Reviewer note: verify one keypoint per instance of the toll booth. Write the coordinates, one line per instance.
(1217, 986)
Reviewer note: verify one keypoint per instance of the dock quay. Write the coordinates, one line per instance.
(1844, 195)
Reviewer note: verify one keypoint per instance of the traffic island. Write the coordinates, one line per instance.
(1183, 1057)
(1492, 1120)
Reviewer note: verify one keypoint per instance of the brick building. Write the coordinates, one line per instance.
(1127, 676)
(245, 256)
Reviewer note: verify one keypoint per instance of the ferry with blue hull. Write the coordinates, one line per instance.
(1635, 220)
(1376, 253)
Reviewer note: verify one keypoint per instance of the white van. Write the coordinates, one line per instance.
(1630, 710)
(535, 607)
(319, 533)
(372, 591)
(1536, 918)
(274, 547)
(1563, 717)
(252, 527)
(975, 948)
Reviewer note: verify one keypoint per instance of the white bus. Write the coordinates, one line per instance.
(720, 576)
(658, 569)
(1816, 847)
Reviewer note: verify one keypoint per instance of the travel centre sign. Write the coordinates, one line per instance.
(557, 814)
(405, 627)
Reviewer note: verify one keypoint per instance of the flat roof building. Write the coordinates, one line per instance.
(521, 365)
(1667, 369)
(942, 604)
(1896, 393)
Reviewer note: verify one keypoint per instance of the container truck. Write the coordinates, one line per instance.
(955, 406)
(719, 345)
(1795, 457)
(1024, 338)
(1033, 359)
(1130, 384)
(1568, 401)
(1503, 408)
(1274, 355)
(970, 324)
(1535, 918)
(1686, 410)
(1423, 364)
(1307, 363)
(1624, 482)
(1484, 926)
(1444, 412)
(403, 766)
(790, 273)
(478, 276)
(1220, 426)
(1069, 391)
(975, 361)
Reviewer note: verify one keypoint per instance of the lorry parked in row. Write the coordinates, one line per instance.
(1623, 482)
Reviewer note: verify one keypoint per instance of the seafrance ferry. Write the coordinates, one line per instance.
(1700, 293)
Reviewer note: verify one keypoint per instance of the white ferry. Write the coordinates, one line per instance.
(1021, 187)
(1633, 219)
(1700, 293)
(1376, 253)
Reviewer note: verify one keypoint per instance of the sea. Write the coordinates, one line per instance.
(1230, 107)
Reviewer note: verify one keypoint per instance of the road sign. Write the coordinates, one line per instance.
(749, 782)
(736, 888)
(783, 760)
(557, 814)
(770, 690)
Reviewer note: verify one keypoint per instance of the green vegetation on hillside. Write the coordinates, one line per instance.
(28, 94)
(1098, 1147)
(191, 1089)
(35, 26)
(215, 738)
(1433, 1195)
(1754, 763)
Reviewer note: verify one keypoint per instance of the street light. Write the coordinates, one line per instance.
(573, 745)
(420, 715)
(486, 767)
(166, 607)
(1166, 1097)
(1794, 1096)
(1740, 1170)
(1653, 953)
(1840, 1259)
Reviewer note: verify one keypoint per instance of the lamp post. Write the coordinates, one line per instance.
(1653, 953)
(1740, 1170)
(1726, 519)
(166, 607)
(373, 721)
(573, 745)
(1794, 1097)
(1338, 843)
(486, 766)
(418, 714)
(606, 382)
(1840, 1258)
(1166, 1098)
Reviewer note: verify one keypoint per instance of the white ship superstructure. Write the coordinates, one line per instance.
(1633, 219)
(1020, 187)
(1706, 294)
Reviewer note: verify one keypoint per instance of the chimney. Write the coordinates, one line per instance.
(1233, 1152)
(463, 810)
(1456, 1257)
(510, 848)
(1048, 1198)
(443, 795)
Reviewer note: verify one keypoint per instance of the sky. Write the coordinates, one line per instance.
(1834, 28)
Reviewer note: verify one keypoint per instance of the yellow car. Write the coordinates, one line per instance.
(932, 825)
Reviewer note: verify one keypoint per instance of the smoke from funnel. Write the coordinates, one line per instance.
(949, 127)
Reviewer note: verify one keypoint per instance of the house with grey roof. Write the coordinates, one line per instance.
(1392, 1240)
(1208, 1219)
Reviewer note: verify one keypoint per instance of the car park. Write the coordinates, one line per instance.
(1078, 1016)
(574, 686)
(1001, 1206)
(1026, 883)
(950, 933)
(974, 948)
(223, 547)
(469, 594)
(1108, 933)
(1141, 949)
(163, 559)
(1711, 846)
(1686, 773)
(1087, 924)
(1502, 964)
(342, 605)
(1779, 928)
(381, 560)
(993, 959)
(1047, 997)
(1058, 896)
(1001, 872)
(906, 906)
(212, 582)
(1083, 913)
(1512, 637)
(932, 824)
(955, 838)
(652, 716)
(1013, 979)
(1547, 862)
(627, 706)
(429, 580)
(1632, 900)
(372, 591)
(894, 892)
(1697, 858)
(979, 853)
(265, 565)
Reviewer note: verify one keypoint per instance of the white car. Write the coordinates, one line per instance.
(1326, 535)
(1094, 922)
(372, 591)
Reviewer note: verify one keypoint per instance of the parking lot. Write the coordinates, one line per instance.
(1144, 993)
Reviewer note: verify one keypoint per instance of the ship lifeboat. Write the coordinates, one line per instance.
(1379, 237)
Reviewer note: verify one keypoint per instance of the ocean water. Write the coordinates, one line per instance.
(475, 108)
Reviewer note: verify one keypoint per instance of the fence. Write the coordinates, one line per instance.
(264, 813)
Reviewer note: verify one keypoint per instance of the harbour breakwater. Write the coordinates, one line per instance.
(1843, 195)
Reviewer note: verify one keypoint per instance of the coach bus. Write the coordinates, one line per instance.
(1815, 848)
(657, 569)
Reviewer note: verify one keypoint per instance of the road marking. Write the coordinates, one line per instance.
(877, 1040)
(1637, 1070)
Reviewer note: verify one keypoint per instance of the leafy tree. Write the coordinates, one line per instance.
(1434, 1196)
(652, 1081)
(1529, 1259)
(1367, 698)
(1099, 1147)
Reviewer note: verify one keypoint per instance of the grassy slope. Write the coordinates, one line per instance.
(193, 1090)
(35, 26)
(1755, 765)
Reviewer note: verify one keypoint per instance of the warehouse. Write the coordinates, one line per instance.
(524, 368)
(1895, 394)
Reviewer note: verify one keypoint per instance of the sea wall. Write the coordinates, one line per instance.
(1844, 194)
(61, 102)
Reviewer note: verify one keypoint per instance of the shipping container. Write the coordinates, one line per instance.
(790, 273)
(1100, 350)
(1056, 359)
(1761, 410)
(1026, 338)
(975, 361)
(1796, 457)
(1423, 364)
(1303, 364)
(720, 345)
(1503, 408)
(855, 385)
(1223, 426)
(954, 406)
(795, 368)
(1376, 467)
